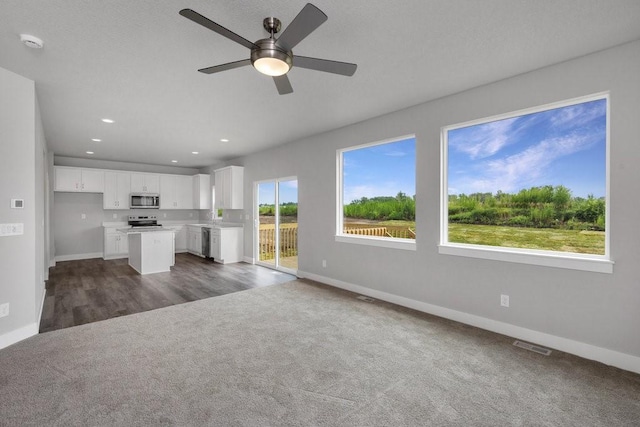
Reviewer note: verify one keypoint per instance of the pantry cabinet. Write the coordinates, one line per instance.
(229, 183)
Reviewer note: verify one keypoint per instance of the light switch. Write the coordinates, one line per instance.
(11, 229)
(83, 216)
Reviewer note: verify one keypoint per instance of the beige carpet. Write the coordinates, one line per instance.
(301, 354)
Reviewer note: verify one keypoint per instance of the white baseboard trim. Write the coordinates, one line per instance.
(608, 357)
(119, 256)
(248, 260)
(52, 262)
(18, 335)
(79, 256)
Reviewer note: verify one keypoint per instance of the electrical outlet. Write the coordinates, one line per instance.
(115, 216)
(83, 216)
(190, 215)
(165, 215)
(4, 309)
(324, 263)
(504, 300)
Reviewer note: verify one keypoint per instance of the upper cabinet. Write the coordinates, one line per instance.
(72, 179)
(145, 183)
(176, 192)
(229, 184)
(117, 186)
(202, 191)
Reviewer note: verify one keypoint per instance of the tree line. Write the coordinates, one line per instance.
(540, 207)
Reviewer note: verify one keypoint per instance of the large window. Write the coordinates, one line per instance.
(376, 194)
(530, 186)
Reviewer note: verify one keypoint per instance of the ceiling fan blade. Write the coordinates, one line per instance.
(283, 84)
(309, 18)
(225, 67)
(335, 67)
(206, 22)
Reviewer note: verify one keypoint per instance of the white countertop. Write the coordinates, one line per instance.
(138, 230)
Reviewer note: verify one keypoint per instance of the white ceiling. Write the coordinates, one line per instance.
(135, 62)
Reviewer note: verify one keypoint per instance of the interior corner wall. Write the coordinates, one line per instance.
(41, 215)
(588, 310)
(17, 178)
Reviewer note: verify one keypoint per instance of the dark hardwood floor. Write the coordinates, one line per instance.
(90, 290)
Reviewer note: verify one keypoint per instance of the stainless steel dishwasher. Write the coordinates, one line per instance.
(206, 242)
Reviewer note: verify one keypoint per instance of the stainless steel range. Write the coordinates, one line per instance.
(144, 222)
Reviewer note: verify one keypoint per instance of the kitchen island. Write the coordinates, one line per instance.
(150, 250)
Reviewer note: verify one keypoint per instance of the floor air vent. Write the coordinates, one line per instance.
(532, 347)
(365, 298)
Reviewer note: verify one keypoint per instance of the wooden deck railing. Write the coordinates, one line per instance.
(289, 237)
(288, 241)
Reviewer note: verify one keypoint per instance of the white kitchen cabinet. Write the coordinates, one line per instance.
(116, 244)
(202, 191)
(145, 183)
(176, 192)
(180, 232)
(227, 244)
(70, 179)
(194, 240)
(229, 183)
(117, 187)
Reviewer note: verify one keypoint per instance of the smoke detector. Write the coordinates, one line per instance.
(31, 41)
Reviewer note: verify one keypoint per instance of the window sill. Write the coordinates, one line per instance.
(593, 263)
(405, 244)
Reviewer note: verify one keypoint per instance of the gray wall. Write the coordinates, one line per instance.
(17, 174)
(592, 308)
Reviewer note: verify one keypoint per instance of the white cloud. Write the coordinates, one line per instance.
(485, 140)
(525, 169)
(395, 154)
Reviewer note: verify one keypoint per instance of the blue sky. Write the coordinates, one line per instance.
(564, 146)
(288, 192)
(380, 170)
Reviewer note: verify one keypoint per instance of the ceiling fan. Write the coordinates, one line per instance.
(274, 57)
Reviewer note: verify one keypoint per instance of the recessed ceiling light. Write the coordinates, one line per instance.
(194, 152)
(89, 152)
(174, 161)
(224, 140)
(31, 41)
(107, 120)
(96, 139)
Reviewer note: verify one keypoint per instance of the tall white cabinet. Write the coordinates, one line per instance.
(229, 183)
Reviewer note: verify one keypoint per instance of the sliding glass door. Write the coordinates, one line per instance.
(276, 210)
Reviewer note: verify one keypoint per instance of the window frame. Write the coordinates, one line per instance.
(568, 260)
(340, 236)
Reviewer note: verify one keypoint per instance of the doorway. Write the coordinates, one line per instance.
(276, 210)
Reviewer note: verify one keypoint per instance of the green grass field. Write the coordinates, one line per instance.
(584, 242)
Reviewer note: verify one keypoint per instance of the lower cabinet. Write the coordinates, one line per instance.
(227, 244)
(180, 237)
(116, 244)
(194, 240)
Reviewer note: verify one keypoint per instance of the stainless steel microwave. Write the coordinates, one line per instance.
(144, 201)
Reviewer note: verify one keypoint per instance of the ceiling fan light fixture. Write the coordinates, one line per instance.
(268, 59)
(271, 66)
